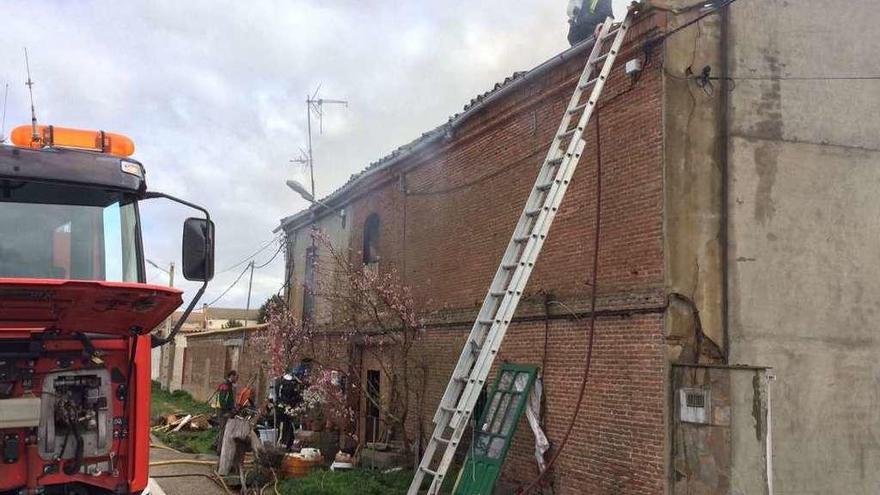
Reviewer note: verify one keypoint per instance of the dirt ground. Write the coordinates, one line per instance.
(182, 485)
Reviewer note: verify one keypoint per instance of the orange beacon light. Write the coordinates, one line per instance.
(64, 137)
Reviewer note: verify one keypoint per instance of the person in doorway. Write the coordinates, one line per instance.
(226, 399)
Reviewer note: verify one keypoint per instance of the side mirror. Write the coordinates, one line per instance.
(198, 249)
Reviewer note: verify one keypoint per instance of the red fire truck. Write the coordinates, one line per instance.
(76, 315)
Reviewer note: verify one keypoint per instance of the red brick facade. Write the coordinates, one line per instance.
(208, 356)
(446, 216)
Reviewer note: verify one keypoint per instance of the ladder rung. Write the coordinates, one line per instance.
(500, 293)
(556, 161)
(544, 187)
(459, 379)
(610, 33)
(509, 266)
(602, 57)
(486, 322)
(587, 85)
(581, 107)
(567, 133)
(442, 440)
(429, 471)
(534, 213)
(520, 240)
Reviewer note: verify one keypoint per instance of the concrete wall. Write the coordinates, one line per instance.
(726, 454)
(177, 363)
(337, 228)
(692, 180)
(804, 172)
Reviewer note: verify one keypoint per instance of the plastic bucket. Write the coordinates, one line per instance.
(294, 466)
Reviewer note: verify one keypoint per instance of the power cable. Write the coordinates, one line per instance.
(592, 326)
(477, 180)
(246, 268)
(693, 21)
(280, 247)
(252, 256)
(796, 78)
(594, 281)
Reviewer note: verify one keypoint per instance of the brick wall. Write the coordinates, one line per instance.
(211, 355)
(617, 444)
(447, 232)
(446, 217)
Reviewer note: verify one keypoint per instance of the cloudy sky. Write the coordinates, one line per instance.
(213, 95)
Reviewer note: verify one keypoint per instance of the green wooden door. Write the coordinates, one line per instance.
(494, 431)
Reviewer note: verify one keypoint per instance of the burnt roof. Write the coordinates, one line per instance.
(475, 105)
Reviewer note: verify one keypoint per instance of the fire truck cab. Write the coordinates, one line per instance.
(76, 315)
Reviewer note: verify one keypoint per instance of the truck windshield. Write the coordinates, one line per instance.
(67, 232)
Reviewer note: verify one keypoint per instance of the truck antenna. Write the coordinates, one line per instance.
(30, 84)
(3, 122)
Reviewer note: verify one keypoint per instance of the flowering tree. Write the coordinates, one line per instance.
(367, 314)
(281, 342)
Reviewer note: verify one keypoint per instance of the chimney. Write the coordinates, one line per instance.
(583, 16)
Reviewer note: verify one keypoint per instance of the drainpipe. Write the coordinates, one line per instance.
(724, 131)
(770, 376)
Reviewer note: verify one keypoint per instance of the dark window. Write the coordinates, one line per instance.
(371, 239)
(374, 396)
(309, 285)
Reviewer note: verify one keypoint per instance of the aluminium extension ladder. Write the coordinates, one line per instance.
(469, 376)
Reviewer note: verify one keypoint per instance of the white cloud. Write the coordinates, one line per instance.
(213, 93)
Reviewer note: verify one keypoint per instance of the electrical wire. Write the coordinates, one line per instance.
(592, 325)
(479, 179)
(280, 247)
(237, 279)
(716, 9)
(253, 255)
(794, 78)
(596, 234)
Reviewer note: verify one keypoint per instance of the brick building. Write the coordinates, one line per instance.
(446, 205)
(675, 301)
(175, 363)
(211, 354)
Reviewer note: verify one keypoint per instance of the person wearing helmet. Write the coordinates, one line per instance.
(584, 16)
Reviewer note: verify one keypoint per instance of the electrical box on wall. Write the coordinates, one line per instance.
(694, 405)
(632, 67)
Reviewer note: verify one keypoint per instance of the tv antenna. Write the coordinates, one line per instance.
(3, 122)
(30, 84)
(316, 105)
(302, 159)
